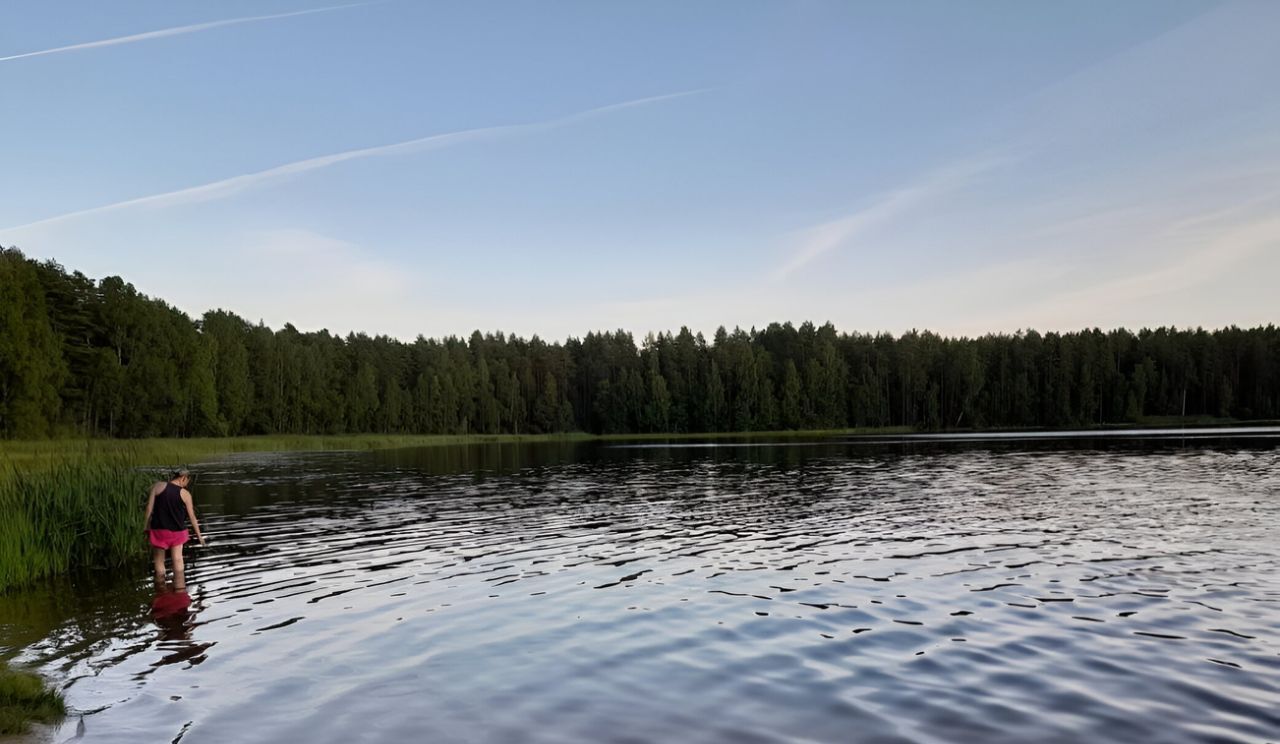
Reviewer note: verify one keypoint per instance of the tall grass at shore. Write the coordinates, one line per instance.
(64, 513)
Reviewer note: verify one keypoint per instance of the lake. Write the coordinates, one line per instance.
(862, 590)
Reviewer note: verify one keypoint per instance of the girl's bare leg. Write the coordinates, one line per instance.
(157, 559)
(179, 569)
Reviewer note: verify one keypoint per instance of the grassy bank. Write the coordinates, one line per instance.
(24, 700)
(166, 452)
(61, 513)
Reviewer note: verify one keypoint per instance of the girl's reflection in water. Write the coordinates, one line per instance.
(175, 615)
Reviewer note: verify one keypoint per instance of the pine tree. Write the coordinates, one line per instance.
(32, 368)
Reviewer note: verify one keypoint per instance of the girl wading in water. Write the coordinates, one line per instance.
(168, 509)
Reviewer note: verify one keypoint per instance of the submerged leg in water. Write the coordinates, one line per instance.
(179, 568)
(157, 559)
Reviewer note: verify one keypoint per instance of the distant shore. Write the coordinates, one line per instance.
(163, 452)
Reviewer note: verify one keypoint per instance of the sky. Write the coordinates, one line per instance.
(403, 167)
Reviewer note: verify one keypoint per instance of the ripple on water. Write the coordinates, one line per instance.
(750, 594)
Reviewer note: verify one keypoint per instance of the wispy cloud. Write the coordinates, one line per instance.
(175, 31)
(1229, 244)
(821, 239)
(633, 103)
(226, 187)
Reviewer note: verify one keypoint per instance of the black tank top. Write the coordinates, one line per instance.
(169, 512)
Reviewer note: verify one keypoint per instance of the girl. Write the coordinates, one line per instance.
(168, 509)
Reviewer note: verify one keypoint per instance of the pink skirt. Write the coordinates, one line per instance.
(165, 539)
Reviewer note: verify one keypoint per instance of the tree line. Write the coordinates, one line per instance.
(80, 357)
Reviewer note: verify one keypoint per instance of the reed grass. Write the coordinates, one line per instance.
(24, 700)
(66, 513)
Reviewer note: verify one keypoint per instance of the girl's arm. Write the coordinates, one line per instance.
(191, 514)
(151, 502)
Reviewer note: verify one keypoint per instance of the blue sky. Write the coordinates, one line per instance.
(406, 167)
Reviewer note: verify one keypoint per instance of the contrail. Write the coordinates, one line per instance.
(230, 186)
(175, 31)
(830, 235)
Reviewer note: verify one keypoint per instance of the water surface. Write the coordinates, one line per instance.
(890, 591)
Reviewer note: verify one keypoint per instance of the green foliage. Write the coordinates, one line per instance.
(232, 394)
(792, 408)
(98, 359)
(61, 513)
(24, 699)
(31, 358)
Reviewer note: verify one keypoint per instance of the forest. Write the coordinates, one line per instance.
(83, 357)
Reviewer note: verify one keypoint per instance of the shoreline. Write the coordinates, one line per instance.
(154, 451)
(161, 453)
